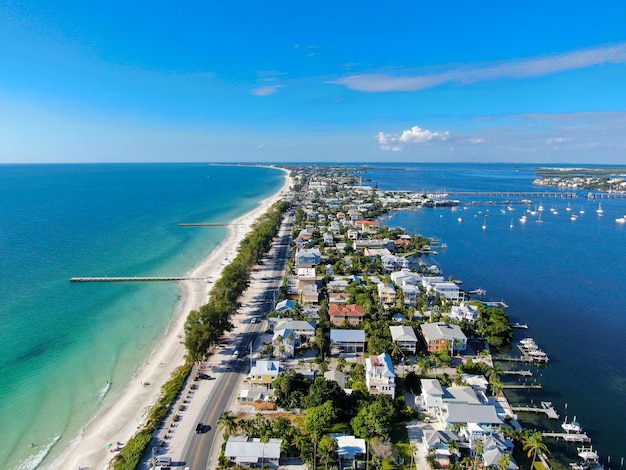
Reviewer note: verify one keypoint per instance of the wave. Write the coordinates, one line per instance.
(104, 390)
(33, 461)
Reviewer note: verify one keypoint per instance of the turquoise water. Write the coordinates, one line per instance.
(564, 278)
(60, 343)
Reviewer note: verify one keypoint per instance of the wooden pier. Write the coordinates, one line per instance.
(524, 194)
(569, 437)
(523, 373)
(135, 279)
(522, 386)
(546, 408)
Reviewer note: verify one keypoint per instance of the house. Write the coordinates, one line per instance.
(347, 341)
(380, 376)
(260, 398)
(252, 452)
(350, 450)
(392, 263)
(464, 312)
(410, 295)
(386, 294)
(338, 298)
(328, 238)
(337, 285)
(300, 327)
(449, 290)
(264, 373)
(374, 244)
(431, 397)
(442, 336)
(307, 284)
(285, 306)
(285, 342)
(495, 446)
(405, 337)
(308, 257)
(374, 252)
(438, 441)
(336, 376)
(351, 313)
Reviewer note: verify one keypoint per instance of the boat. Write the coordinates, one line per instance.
(621, 220)
(599, 210)
(460, 219)
(572, 426)
(520, 326)
(522, 219)
(539, 221)
(485, 224)
(569, 207)
(588, 454)
(582, 210)
(511, 224)
(540, 208)
(573, 217)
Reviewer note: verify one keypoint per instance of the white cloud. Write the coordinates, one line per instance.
(266, 90)
(559, 140)
(414, 135)
(475, 140)
(514, 69)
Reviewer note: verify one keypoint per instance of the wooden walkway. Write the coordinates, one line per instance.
(523, 373)
(568, 437)
(135, 279)
(523, 386)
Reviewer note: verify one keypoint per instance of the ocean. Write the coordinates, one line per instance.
(564, 278)
(67, 349)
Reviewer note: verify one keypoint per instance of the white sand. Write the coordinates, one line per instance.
(120, 420)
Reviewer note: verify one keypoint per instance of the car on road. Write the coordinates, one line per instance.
(253, 320)
(199, 428)
(235, 354)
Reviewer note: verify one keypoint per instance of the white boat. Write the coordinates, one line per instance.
(509, 208)
(599, 210)
(539, 221)
(460, 219)
(582, 210)
(511, 224)
(572, 426)
(569, 207)
(520, 326)
(621, 220)
(587, 453)
(573, 217)
(485, 224)
(540, 208)
(522, 219)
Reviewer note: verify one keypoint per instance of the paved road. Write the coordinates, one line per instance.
(201, 450)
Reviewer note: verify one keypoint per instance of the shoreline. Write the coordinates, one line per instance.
(120, 419)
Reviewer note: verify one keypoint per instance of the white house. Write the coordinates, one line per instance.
(405, 337)
(308, 257)
(249, 452)
(464, 312)
(380, 376)
(350, 449)
(410, 294)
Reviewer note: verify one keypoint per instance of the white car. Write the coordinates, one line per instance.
(235, 354)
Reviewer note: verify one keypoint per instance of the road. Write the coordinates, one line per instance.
(201, 450)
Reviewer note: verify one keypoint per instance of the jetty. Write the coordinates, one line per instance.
(522, 386)
(135, 279)
(546, 407)
(202, 224)
(568, 437)
(523, 373)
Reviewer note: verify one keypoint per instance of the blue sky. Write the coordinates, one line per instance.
(416, 81)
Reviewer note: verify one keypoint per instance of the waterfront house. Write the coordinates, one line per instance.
(464, 312)
(350, 313)
(449, 290)
(438, 441)
(347, 341)
(410, 294)
(405, 337)
(252, 452)
(442, 336)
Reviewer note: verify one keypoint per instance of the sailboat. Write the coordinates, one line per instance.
(485, 224)
(511, 224)
(539, 221)
(599, 210)
(569, 207)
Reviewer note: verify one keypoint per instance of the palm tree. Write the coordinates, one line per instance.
(497, 387)
(227, 422)
(423, 364)
(534, 445)
(453, 446)
(504, 462)
(479, 448)
(431, 459)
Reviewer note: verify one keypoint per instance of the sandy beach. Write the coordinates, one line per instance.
(118, 420)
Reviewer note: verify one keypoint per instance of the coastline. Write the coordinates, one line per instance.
(119, 419)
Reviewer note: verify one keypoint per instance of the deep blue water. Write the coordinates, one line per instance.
(564, 278)
(61, 342)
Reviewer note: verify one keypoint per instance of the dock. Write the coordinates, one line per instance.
(569, 437)
(135, 279)
(522, 386)
(546, 408)
(523, 373)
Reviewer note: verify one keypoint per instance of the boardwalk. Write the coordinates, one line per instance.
(524, 373)
(523, 386)
(569, 437)
(135, 279)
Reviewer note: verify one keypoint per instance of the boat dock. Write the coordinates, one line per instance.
(523, 373)
(569, 437)
(546, 408)
(522, 386)
(134, 279)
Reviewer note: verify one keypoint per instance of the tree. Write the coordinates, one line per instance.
(375, 419)
(227, 422)
(327, 449)
(534, 445)
(504, 462)
(479, 448)
(322, 391)
(424, 365)
(318, 420)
